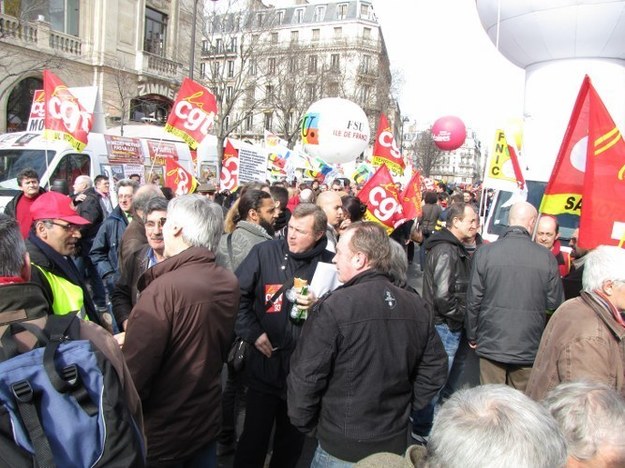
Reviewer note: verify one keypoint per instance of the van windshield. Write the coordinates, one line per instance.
(14, 160)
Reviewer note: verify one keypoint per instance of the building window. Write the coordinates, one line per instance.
(63, 14)
(219, 46)
(269, 92)
(229, 90)
(366, 63)
(316, 34)
(204, 46)
(230, 68)
(202, 70)
(292, 64)
(216, 68)
(366, 94)
(233, 44)
(249, 122)
(312, 64)
(271, 65)
(338, 32)
(333, 89)
(341, 11)
(274, 38)
(294, 36)
(253, 67)
(365, 11)
(335, 62)
(260, 19)
(366, 33)
(155, 32)
(320, 13)
(268, 120)
(299, 16)
(280, 17)
(311, 91)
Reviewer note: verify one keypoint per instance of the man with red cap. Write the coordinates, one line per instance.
(50, 243)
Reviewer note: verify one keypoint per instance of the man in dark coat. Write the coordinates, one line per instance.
(264, 321)
(368, 354)
(513, 283)
(178, 335)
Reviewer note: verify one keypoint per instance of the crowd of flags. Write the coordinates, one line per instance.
(588, 177)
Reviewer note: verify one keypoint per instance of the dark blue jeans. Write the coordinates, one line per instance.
(422, 419)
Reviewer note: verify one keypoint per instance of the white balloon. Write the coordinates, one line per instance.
(335, 130)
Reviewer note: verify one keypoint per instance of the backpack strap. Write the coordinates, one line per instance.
(8, 345)
(60, 329)
(27, 406)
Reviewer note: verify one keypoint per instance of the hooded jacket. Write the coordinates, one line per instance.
(177, 338)
(245, 236)
(267, 267)
(446, 278)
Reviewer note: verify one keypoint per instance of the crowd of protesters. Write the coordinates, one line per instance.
(249, 321)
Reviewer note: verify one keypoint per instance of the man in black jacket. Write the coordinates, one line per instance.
(264, 320)
(513, 283)
(368, 354)
(445, 281)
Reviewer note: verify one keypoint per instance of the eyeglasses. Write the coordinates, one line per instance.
(66, 227)
(152, 224)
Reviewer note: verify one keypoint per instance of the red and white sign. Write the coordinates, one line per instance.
(385, 150)
(193, 113)
(64, 117)
(229, 176)
(380, 195)
(178, 178)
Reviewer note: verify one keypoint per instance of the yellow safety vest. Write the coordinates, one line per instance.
(66, 296)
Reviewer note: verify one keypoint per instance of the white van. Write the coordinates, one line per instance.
(111, 155)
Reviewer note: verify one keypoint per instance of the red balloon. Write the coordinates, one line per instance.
(449, 133)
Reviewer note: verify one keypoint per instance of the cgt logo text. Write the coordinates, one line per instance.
(384, 207)
(194, 118)
(70, 113)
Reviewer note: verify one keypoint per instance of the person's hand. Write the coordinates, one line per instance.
(120, 338)
(305, 301)
(264, 345)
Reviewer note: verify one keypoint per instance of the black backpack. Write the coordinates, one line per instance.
(62, 404)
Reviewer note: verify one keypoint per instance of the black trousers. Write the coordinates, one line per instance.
(261, 412)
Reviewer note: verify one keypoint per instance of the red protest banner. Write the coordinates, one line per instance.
(385, 150)
(65, 118)
(178, 178)
(411, 197)
(229, 176)
(193, 113)
(380, 195)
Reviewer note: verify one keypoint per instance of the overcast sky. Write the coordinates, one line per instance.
(449, 64)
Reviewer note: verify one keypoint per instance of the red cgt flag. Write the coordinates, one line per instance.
(385, 150)
(178, 178)
(64, 117)
(411, 197)
(229, 176)
(603, 209)
(380, 195)
(193, 113)
(563, 193)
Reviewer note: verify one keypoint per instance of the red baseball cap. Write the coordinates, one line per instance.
(54, 205)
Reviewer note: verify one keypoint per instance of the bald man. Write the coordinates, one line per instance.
(332, 205)
(547, 236)
(513, 283)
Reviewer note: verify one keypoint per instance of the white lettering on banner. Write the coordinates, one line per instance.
(252, 166)
(183, 181)
(387, 140)
(387, 205)
(70, 113)
(156, 88)
(193, 117)
(229, 170)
